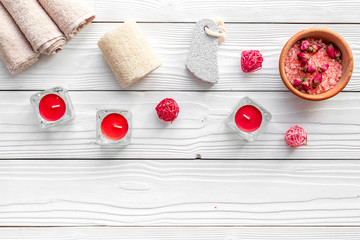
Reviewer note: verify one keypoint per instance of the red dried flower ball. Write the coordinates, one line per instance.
(251, 61)
(167, 110)
(296, 137)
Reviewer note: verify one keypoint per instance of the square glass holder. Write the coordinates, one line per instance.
(101, 139)
(63, 93)
(249, 136)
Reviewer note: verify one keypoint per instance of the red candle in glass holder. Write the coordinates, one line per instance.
(248, 118)
(114, 126)
(52, 107)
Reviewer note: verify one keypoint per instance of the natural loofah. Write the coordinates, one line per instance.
(128, 54)
(167, 110)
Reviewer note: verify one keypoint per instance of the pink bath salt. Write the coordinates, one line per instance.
(329, 78)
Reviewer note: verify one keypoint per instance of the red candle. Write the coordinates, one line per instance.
(114, 126)
(52, 107)
(248, 118)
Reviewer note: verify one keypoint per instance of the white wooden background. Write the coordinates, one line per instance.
(194, 179)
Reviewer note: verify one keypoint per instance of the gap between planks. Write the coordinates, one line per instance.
(187, 226)
(234, 22)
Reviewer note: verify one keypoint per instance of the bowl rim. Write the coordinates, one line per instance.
(322, 96)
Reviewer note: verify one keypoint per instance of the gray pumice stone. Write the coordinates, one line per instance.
(202, 57)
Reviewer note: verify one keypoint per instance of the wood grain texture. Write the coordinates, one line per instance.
(80, 66)
(179, 193)
(188, 233)
(199, 132)
(301, 11)
(239, 196)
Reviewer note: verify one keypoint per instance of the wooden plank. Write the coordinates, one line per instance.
(188, 233)
(179, 193)
(300, 11)
(200, 131)
(80, 66)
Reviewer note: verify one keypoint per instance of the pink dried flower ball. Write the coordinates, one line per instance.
(296, 137)
(251, 61)
(167, 110)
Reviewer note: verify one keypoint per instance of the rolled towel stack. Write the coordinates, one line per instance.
(69, 15)
(45, 25)
(42, 33)
(15, 51)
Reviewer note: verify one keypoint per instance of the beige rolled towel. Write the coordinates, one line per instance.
(42, 33)
(15, 51)
(69, 15)
(128, 53)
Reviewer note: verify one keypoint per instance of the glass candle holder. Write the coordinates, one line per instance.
(52, 107)
(113, 127)
(248, 119)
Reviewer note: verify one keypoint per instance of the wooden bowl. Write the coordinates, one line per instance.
(327, 36)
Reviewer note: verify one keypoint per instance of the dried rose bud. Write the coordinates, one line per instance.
(331, 50)
(337, 54)
(304, 67)
(314, 48)
(311, 68)
(317, 80)
(304, 45)
(306, 85)
(303, 57)
(323, 68)
(297, 82)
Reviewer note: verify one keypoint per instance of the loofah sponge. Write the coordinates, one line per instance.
(128, 53)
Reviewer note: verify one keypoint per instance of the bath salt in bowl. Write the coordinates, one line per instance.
(316, 64)
(317, 61)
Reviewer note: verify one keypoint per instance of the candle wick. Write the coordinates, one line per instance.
(248, 118)
(116, 126)
(55, 106)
